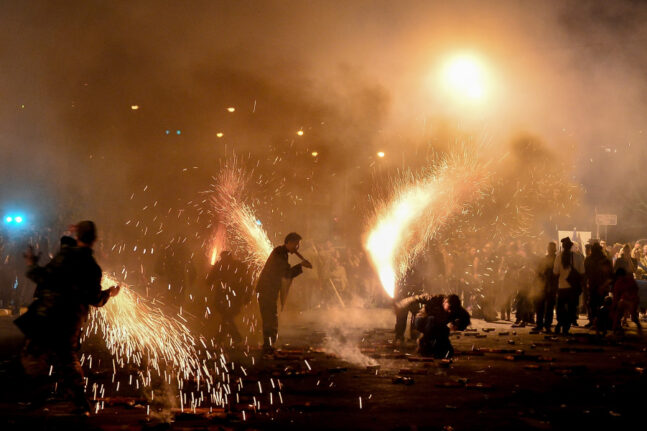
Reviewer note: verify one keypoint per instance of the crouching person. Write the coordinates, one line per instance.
(439, 315)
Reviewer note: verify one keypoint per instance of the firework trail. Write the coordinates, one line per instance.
(420, 206)
(244, 231)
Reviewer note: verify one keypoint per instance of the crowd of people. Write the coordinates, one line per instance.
(511, 282)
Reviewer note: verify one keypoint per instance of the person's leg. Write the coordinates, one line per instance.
(575, 306)
(551, 299)
(594, 305)
(36, 364)
(270, 318)
(540, 312)
(562, 310)
(423, 325)
(443, 347)
(71, 372)
(401, 323)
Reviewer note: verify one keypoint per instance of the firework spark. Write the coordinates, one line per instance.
(419, 207)
(245, 233)
(135, 330)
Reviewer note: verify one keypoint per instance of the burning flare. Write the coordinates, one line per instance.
(244, 232)
(402, 225)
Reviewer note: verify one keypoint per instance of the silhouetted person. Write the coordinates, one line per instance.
(625, 300)
(597, 268)
(275, 279)
(569, 266)
(230, 282)
(439, 315)
(545, 302)
(75, 277)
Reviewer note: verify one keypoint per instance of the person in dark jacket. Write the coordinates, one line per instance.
(547, 295)
(625, 300)
(74, 277)
(275, 280)
(230, 282)
(597, 270)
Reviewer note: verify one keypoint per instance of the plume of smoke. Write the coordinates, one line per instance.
(344, 329)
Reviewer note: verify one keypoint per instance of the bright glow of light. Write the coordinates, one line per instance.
(231, 109)
(315, 154)
(380, 154)
(300, 133)
(419, 207)
(218, 242)
(220, 134)
(134, 107)
(8, 219)
(18, 219)
(465, 77)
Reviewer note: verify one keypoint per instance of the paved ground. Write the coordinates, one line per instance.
(501, 378)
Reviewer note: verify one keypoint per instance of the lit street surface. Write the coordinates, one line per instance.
(501, 378)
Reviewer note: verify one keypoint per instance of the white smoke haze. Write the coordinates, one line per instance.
(567, 72)
(344, 329)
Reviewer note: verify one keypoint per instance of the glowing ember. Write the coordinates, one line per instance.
(403, 225)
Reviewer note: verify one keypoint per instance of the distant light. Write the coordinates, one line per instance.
(465, 77)
(134, 107)
(258, 222)
(300, 133)
(168, 132)
(380, 154)
(179, 132)
(231, 109)
(18, 219)
(8, 219)
(22, 106)
(315, 154)
(220, 134)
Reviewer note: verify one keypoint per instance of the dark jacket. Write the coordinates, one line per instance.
(548, 279)
(276, 274)
(230, 282)
(68, 285)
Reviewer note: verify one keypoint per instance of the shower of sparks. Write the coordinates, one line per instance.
(244, 232)
(419, 207)
(135, 330)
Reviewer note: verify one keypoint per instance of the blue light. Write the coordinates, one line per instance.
(18, 219)
(168, 132)
(179, 132)
(8, 219)
(258, 222)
